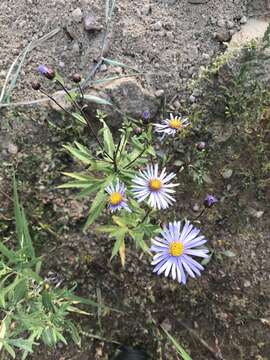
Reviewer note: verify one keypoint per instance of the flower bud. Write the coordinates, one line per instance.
(209, 201)
(48, 73)
(36, 85)
(200, 145)
(138, 130)
(76, 78)
(146, 116)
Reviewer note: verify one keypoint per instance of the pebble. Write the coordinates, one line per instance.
(205, 56)
(76, 47)
(103, 67)
(230, 24)
(247, 283)
(90, 23)
(221, 23)
(12, 149)
(243, 20)
(177, 105)
(256, 214)
(196, 208)
(146, 10)
(157, 26)
(223, 36)
(159, 93)
(227, 173)
(196, 92)
(61, 64)
(192, 99)
(77, 15)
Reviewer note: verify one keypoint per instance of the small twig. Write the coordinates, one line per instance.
(216, 355)
(53, 99)
(200, 214)
(128, 165)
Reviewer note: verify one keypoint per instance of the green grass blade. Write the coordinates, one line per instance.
(180, 351)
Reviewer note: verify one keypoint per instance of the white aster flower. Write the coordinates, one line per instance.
(117, 198)
(172, 126)
(154, 186)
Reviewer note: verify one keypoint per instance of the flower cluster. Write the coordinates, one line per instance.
(148, 185)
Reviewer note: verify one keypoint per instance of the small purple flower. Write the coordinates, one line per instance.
(146, 115)
(45, 71)
(117, 198)
(210, 200)
(42, 69)
(175, 250)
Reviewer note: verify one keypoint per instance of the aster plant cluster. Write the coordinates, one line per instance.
(132, 188)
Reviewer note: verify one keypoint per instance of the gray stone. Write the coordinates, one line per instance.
(157, 26)
(196, 208)
(243, 20)
(247, 283)
(230, 24)
(192, 99)
(12, 149)
(103, 67)
(205, 56)
(77, 15)
(196, 92)
(227, 173)
(159, 93)
(177, 105)
(90, 23)
(221, 23)
(223, 36)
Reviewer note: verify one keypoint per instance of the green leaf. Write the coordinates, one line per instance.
(11, 255)
(120, 238)
(108, 139)
(84, 158)
(23, 235)
(9, 349)
(20, 291)
(117, 63)
(75, 334)
(97, 206)
(180, 351)
(79, 117)
(97, 100)
(228, 253)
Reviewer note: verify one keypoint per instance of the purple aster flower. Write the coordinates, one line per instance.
(117, 198)
(210, 200)
(171, 126)
(154, 186)
(48, 73)
(175, 251)
(146, 115)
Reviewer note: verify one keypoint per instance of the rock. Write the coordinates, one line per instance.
(196, 92)
(227, 173)
(159, 93)
(128, 96)
(205, 56)
(196, 2)
(192, 99)
(177, 105)
(221, 23)
(196, 208)
(77, 15)
(157, 26)
(90, 23)
(76, 47)
(103, 68)
(146, 10)
(255, 213)
(12, 149)
(223, 36)
(230, 25)
(243, 20)
(247, 283)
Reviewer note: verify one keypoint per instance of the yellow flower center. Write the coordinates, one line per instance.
(155, 184)
(175, 124)
(115, 198)
(176, 248)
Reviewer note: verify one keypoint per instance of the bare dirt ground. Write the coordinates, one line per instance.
(228, 308)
